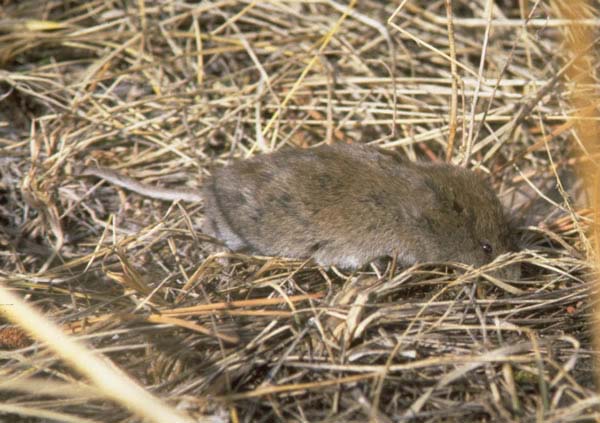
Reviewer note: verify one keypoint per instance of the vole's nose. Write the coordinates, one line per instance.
(511, 272)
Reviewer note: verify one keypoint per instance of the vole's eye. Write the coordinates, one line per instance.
(486, 247)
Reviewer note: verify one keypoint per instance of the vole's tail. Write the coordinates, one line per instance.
(159, 193)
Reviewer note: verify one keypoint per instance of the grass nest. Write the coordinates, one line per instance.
(165, 91)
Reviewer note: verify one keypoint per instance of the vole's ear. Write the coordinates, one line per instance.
(446, 199)
(440, 220)
(457, 206)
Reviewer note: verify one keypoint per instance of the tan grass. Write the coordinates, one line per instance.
(165, 91)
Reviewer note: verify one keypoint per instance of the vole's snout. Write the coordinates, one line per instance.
(505, 270)
(511, 272)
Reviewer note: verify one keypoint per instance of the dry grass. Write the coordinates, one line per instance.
(163, 91)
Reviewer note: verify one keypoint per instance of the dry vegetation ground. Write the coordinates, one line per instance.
(163, 91)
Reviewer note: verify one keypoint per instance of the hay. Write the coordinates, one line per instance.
(163, 91)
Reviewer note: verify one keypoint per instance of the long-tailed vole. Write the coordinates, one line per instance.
(346, 205)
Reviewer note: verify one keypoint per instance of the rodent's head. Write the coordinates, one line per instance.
(470, 223)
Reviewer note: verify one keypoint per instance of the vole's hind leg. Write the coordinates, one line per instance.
(231, 243)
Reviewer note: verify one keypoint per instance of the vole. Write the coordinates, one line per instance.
(347, 205)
